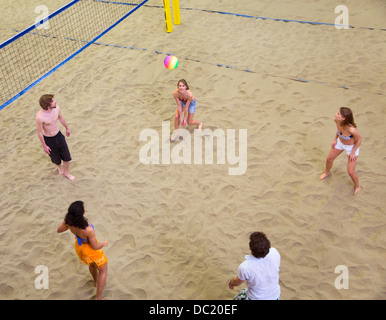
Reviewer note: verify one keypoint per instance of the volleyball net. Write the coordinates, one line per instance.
(33, 54)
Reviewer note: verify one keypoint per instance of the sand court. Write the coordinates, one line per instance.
(179, 231)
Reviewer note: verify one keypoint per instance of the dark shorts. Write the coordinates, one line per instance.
(59, 148)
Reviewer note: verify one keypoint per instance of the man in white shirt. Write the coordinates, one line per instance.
(260, 270)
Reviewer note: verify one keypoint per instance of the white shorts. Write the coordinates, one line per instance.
(346, 147)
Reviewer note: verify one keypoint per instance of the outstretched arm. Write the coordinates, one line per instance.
(234, 282)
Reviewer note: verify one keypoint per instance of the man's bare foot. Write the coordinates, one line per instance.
(60, 170)
(356, 190)
(324, 176)
(200, 124)
(69, 176)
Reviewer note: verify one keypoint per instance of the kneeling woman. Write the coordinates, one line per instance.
(86, 245)
(186, 108)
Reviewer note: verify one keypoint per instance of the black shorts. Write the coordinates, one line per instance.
(59, 148)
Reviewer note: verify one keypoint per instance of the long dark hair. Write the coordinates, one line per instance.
(346, 113)
(75, 215)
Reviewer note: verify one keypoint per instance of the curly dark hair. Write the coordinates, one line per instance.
(259, 244)
(74, 216)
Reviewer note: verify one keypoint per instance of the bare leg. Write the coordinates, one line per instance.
(329, 162)
(193, 122)
(353, 175)
(66, 167)
(102, 276)
(94, 272)
(60, 170)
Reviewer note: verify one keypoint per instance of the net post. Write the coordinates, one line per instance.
(168, 16)
(176, 12)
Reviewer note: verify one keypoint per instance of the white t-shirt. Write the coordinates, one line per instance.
(262, 275)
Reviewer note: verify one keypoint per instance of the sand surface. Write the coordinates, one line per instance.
(179, 231)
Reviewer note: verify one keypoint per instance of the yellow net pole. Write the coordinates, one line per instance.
(168, 16)
(176, 12)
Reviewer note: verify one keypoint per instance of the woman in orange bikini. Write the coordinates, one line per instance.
(87, 247)
(347, 139)
(186, 107)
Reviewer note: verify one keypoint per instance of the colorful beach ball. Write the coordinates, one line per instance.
(171, 62)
